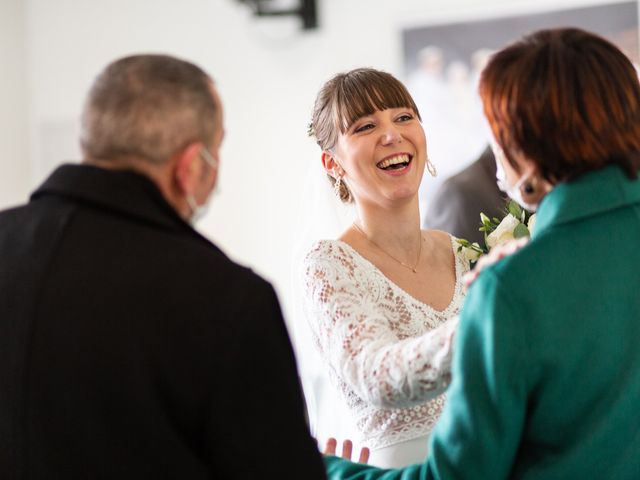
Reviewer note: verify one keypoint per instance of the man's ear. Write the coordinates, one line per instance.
(330, 165)
(188, 168)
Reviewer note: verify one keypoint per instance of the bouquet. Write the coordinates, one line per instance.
(516, 223)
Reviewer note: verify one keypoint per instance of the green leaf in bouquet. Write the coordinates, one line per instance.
(496, 220)
(514, 209)
(472, 246)
(484, 219)
(520, 231)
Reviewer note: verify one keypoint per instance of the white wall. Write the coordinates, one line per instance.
(14, 158)
(267, 71)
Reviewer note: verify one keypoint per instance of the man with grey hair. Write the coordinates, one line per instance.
(130, 346)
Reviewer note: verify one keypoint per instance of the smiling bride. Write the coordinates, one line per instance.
(382, 299)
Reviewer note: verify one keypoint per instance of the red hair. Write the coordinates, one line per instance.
(566, 99)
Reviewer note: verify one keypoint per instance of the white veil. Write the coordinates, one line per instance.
(321, 216)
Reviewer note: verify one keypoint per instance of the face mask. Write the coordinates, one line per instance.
(514, 192)
(199, 211)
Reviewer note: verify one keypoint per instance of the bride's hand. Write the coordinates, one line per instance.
(347, 447)
(497, 253)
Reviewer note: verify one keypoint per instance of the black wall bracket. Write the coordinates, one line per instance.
(307, 11)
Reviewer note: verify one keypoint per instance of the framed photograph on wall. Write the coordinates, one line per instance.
(443, 59)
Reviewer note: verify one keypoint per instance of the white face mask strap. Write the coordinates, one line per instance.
(528, 189)
(197, 211)
(191, 201)
(208, 158)
(515, 191)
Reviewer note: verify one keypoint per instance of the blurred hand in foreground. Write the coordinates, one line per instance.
(347, 450)
(496, 254)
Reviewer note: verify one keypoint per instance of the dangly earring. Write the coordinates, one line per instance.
(337, 187)
(529, 185)
(528, 188)
(431, 168)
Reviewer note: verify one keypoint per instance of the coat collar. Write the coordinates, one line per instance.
(126, 192)
(591, 194)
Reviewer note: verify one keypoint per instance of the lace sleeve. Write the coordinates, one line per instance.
(352, 328)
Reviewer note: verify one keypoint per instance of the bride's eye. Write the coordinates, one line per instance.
(405, 117)
(364, 127)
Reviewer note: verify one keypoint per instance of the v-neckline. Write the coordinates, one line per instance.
(457, 289)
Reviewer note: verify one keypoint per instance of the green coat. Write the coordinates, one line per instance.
(546, 373)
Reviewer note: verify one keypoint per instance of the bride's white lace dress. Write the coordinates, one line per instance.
(386, 352)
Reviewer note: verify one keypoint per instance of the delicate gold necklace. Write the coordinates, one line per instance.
(413, 269)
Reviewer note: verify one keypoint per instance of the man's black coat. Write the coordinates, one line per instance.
(131, 347)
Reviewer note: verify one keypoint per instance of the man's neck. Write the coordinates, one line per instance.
(161, 175)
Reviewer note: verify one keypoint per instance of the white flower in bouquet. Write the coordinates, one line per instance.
(503, 232)
(532, 222)
(516, 223)
(472, 253)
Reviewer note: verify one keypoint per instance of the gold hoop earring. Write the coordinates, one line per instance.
(431, 168)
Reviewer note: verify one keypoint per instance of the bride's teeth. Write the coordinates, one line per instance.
(393, 161)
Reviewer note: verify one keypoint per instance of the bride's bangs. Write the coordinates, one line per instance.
(365, 95)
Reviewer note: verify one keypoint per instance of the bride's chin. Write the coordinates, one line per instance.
(403, 195)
